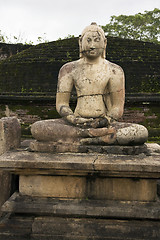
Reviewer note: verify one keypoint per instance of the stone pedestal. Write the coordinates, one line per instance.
(82, 196)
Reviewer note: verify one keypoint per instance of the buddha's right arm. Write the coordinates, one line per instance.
(62, 105)
(65, 84)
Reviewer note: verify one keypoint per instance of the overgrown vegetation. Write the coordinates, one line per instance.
(141, 26)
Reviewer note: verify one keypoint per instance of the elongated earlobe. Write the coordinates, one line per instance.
(80, 46)
(105, 45)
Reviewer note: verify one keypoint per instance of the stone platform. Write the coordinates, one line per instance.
(82, 196)
(54, 147)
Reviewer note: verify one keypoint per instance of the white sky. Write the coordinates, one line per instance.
(58, 18)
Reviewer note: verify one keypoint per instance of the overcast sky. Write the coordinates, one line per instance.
(58, 18)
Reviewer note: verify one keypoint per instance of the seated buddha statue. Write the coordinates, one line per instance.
(100, 88)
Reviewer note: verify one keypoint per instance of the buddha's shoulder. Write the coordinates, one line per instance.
(69, 67)
(116, 69)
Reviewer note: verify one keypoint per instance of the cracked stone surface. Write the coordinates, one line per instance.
(134, 133)
(81, 176)
(111, 164)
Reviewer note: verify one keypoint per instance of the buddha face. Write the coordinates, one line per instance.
(93, 44)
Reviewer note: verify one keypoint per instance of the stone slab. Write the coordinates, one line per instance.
(16, 228)
(52, 186)
(60, 228)
(90, 187)
(24, 162)
(22, 204)
(55, 147)
(95, 229)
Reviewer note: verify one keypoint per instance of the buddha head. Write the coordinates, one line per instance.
(92, 42)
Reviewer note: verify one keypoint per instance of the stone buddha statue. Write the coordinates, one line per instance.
(100, 88)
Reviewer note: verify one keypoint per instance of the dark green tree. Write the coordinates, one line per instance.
(142, 26)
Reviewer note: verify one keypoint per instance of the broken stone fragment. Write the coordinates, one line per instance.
(10, 134)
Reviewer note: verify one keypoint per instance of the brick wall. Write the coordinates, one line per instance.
(35, 70)
(8, 50)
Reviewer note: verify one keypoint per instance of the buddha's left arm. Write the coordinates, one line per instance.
(116, 94)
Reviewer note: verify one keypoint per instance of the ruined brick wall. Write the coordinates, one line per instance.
(140, 61)
(35, 70)
(8, 50)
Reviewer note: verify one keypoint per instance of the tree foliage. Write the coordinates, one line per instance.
(21, 39)
(142, 26)
(2, 37)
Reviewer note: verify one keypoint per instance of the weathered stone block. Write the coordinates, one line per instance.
(92, 187)
(10, 133)
(52, 186)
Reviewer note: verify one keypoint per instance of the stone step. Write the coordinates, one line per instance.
(60, 228)
(38, 206)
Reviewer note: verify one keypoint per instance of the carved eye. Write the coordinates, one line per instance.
(97, 39)
(89, 40)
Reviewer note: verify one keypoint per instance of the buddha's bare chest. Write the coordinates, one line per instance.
(91, 81)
